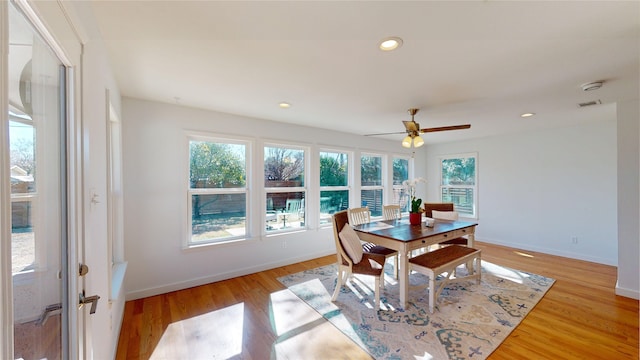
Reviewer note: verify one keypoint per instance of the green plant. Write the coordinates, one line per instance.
(415, 205)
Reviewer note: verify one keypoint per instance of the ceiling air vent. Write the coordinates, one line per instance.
(590, 103)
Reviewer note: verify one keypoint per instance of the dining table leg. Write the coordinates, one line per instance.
(403, 276)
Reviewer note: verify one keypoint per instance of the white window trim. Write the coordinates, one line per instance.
(115, 204)
(410, 171)
(474, 187)
(198, 136)
(270, 190)
(383, 178)
(350, 177)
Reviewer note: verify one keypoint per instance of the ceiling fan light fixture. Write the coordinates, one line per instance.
(390, 43)
(417, 141)
(406, 142)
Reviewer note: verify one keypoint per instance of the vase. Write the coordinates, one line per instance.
(415, 218)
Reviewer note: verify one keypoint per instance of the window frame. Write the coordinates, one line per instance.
(246, 190)
(348, 187)
(383, 180)
(400, 187)
(306, 150)
(474, 188)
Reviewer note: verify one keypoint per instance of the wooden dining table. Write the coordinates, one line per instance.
(403, 237)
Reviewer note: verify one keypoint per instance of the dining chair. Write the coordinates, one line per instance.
(391, 212)
(352, 259)
(444, 211)
(359, 216)
(295, 207)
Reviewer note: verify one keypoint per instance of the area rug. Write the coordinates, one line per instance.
(470, 320)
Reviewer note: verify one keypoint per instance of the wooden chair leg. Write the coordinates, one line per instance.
(341, 275)
(377, 293)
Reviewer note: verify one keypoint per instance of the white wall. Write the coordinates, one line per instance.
(155, 198)
(539, 189)
(628, 199)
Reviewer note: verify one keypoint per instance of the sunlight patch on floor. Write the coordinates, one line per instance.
(214, 335)
(507, 274)
(303, 331)
(523, 254)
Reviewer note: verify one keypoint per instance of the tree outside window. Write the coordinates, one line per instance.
(334, 184)
(458, 183)
(400, 174)
(371, 194)
(217, 191)
(285, 191)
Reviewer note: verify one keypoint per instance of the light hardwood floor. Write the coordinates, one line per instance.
(255, 317)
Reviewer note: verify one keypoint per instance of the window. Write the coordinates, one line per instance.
(217, 190)
(400, 174)
(285, 188)
(334, 184)
(458, 183)
(115, 217)
(371, 190)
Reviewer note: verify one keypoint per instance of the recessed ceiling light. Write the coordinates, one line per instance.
(390, 43)
(284, 105)
(592, 86)
(527, 115)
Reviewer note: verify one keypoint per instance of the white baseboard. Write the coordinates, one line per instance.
(630, 293)
(133, 295)
(552, 251)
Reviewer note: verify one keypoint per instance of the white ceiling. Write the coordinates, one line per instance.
(477, 62)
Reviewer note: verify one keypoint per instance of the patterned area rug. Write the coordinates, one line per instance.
(470, 320)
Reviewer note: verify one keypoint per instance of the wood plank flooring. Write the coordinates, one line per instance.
(255, 317)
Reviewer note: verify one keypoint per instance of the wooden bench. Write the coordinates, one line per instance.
(443, 260)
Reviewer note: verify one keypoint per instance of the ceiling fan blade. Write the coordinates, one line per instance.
(391, 133)
(446, 128)
(411, 126)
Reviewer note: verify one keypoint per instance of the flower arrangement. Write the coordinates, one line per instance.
(410, 188)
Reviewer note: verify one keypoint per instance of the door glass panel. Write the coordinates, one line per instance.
(37, 193)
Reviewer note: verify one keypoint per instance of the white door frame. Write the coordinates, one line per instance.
(76, 334)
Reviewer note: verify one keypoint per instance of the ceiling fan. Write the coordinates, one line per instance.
(413, 131)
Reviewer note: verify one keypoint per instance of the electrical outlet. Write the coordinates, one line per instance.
(574, 239)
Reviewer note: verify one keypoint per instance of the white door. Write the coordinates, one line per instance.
(45, 317)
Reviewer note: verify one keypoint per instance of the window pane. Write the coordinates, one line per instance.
(372, 199)
(217, 165)
(217, 216)
(22, 236)
(462, 198)
(285, 211)
(21, 154)
(331, 202)
(401, 197)
(400, 171)
(283, 167)
(371, 171)
(333, 169)
(459, 171)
